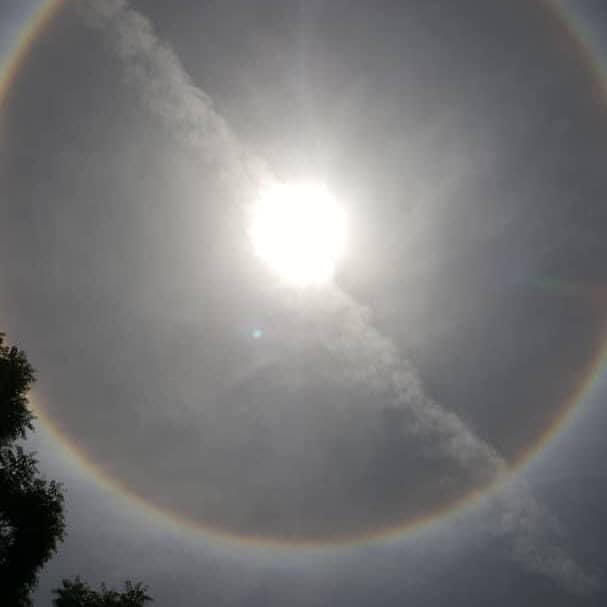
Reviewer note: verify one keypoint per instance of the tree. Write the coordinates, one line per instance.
(31, 508)
(16, 378)
(79, 594)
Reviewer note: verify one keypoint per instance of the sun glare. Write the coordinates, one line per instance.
(299, 230)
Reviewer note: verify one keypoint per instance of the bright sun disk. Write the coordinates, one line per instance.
(299, 230)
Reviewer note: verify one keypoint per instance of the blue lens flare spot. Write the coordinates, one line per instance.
(257, 333)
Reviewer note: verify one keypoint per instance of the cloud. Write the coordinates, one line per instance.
(373, 358)
(153, 70)
(343, 325)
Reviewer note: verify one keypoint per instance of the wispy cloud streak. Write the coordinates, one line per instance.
(369, 357)
(373, 359)
(153, 70)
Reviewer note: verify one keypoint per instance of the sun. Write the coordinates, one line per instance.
(299, 231)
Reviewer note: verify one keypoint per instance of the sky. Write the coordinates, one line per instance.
(426, 428)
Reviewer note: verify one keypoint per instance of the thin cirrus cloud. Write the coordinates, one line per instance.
(340, 324)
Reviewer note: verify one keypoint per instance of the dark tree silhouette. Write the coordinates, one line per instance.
(79, 594)
(31, 508)
(16, 378)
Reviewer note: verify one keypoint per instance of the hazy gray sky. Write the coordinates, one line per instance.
(466, 144)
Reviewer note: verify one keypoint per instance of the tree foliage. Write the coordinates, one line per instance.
(77, 593)
(16, 378)
(31, 508)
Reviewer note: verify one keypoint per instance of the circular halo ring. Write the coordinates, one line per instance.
(579, 33)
